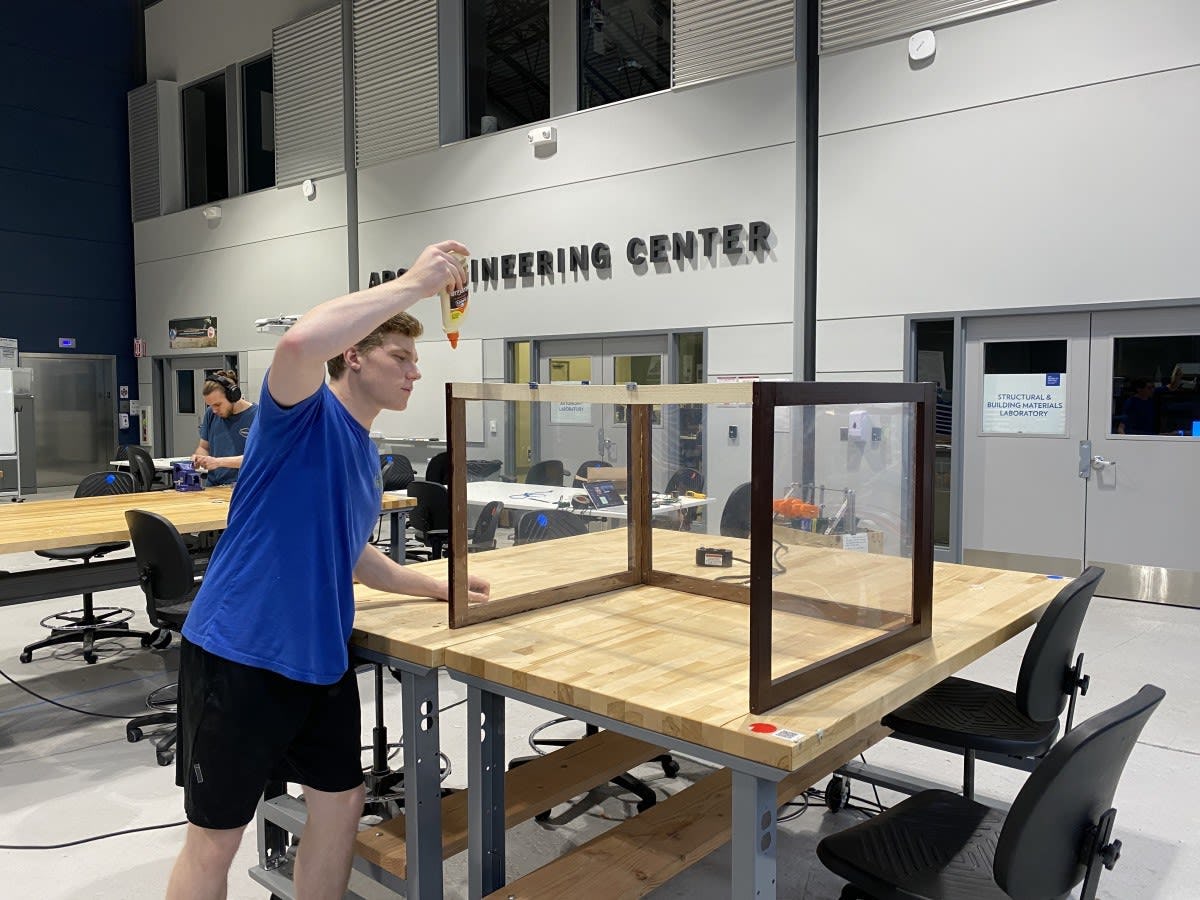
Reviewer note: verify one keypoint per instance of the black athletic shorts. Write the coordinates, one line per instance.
(241, 726)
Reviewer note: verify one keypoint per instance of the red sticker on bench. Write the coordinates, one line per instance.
(763, 728)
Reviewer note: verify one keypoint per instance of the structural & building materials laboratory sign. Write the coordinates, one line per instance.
(1025, 404)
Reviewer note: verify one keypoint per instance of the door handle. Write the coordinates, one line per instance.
(1099, 462)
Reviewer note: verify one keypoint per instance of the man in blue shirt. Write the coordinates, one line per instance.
(265, 689)
(224, 429)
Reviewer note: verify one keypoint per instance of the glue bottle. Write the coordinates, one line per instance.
(454, 307)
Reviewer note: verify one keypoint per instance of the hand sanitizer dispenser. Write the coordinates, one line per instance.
(859, 429)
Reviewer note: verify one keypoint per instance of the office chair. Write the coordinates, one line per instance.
(547, 525)
(438, 468)
(167, 577)
(1058, 833)
(1014, 728)
(547, 471)
(396, 471)
(482, 469)
(141, 467)
(429, 519)
(681, 481)
(483, 536)
(735, 517)
(91, 622)
(581, 473)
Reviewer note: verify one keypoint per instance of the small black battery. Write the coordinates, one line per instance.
(714, 557)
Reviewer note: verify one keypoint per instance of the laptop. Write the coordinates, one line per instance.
(603, 494)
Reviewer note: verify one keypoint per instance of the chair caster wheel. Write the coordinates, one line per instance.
(162, 642)
(670, 768)
(165, 757)
(542, 817)
(133, 734)
(146, 639)
(26, 656)
(837, 793)
(90, 658)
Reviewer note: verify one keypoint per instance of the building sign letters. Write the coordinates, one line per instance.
(640, 252)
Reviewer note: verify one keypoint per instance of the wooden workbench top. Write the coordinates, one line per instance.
(48, 524)
(678, 663)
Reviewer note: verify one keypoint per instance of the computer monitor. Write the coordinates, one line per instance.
(603, 494)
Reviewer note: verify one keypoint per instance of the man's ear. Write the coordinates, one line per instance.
(353, 361)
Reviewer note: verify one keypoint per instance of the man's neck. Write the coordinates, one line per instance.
(363, 411)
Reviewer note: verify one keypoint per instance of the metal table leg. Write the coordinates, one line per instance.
(485, 797)
(422, 792)
(754, 836)
(398, 522)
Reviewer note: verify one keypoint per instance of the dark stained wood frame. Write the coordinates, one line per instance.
(766, 692)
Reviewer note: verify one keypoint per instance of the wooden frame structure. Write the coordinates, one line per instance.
(766, 691)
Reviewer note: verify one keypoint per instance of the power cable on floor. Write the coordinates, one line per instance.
(83, 712)
(86, 840)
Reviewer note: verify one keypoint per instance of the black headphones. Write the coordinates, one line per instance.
(233, 393)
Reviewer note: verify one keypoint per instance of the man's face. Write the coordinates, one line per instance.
(389, 371)
(219, 404)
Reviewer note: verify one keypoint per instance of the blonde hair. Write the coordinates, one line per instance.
(401, 323)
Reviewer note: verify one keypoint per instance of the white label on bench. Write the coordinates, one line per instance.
(855, 542)
(794, 737)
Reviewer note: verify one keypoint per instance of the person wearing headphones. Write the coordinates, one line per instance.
(224, 430)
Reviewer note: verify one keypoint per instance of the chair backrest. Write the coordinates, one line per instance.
(438, 468)
(165, 568)
(547, 471)
(397, 471)
(432, 512)
(546, 525)
(485, 526)
(141, 466)
(482, 469)
(735, 517)
(581, 472)
(1042, 689)
(1038, 852)
(684, 479)
(102, 484)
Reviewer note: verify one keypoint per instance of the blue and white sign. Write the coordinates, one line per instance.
(1025, 404)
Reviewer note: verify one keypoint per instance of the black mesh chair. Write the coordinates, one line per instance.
(438, 468)
(972, 718)
(681, 481)
(167, 577)
(547, 525)
(547, 471)
(429, 519)
(85, 625)
(396, 471)
(735, 517)
(1058, 833)
(141, 467)
(482, 469)
(581, 473)
(483, 536)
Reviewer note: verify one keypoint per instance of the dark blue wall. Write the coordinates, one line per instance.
(66, 242)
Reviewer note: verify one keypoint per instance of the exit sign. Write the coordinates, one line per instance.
(66, 343)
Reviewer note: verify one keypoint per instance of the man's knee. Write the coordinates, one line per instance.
(342, 805)
(213, 847)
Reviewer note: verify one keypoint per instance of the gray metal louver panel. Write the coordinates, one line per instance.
(712, 38)
(396, 110)
(144, 198)
(309, 103)
(853, 23)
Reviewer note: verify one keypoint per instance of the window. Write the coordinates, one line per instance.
(624, 50)
(508, 63)
(1156, 385)
(205, 152)
(185, 391)
(258, 125)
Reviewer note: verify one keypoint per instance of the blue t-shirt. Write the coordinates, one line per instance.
(278, 593)
(226, 437)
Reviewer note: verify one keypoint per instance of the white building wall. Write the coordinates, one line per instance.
(1043, 159)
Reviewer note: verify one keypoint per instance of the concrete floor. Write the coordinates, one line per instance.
(66, 776)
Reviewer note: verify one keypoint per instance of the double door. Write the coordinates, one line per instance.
(185, 377)
(579, 433)
(1082, 446)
